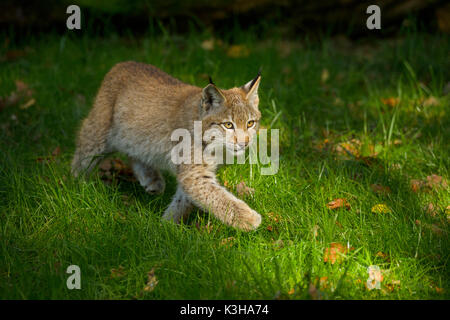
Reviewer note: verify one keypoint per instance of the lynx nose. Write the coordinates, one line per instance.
(242, 145)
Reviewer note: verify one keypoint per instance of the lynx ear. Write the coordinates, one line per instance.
(212, 97)
(251, 89)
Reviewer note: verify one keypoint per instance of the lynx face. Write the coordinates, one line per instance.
(231, 117)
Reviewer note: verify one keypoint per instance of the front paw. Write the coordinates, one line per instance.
(155, 187)
(245, 218)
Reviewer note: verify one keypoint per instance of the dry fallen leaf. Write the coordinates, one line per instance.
(22, 92)
(292, 291)
(432, 182)
(314, 292)
(279, 244)
(430, 209)
(28, 104)
(315, 230)
(324, 76)
(208, 45)
(375, 278)
(431, 101)
(227, 242)
(391, 101)
(237, 51)
(391, 286)
(439, 290)
(274, 217)
(243, 190)
(416, 185)
(152, 281)
(55, 153)
(349, 148)
(378, 188)
(338, 203)
(383, 255)
(381, 208)
(117, 273)
(323, 282)
(108, 168)
(335, 252)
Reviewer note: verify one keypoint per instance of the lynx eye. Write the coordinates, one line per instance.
(228, 125)
(250, 123)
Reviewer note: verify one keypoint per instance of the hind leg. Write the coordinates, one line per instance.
(88, 153)
(149, 178)
(92, 137)
(91, 147)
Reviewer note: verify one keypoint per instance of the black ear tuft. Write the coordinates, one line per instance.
(210, 80)
(256, 78)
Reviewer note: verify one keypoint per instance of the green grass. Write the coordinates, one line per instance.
(49, 220)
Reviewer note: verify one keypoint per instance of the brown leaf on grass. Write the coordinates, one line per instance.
(378, 188)
(55, 153)
(338, 203)
(432, 182)
(434, 228)
(347, 148)
(391, 101)
(323, 145)
(152, 281)
(439, 290)
(324, 76)
(279, 244)
(22, 92)
(430, 209)
(230, 284)
(269, 228)
(12, 55)
(117, 272)
(416, 185)
(315, 230)
(227, 242)
(323, 282)
(208, 44)
(375, 278)
(314, 292)
(430, 102)
(243, 190)
(237, 51)
(275, 217)
(383, 256)
(28, 104)
(291, 292)
(335, 252)
(389, 287)
(110, 168)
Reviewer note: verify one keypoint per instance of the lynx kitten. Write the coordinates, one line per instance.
(135, 112)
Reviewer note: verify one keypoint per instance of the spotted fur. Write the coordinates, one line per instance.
(135, 112)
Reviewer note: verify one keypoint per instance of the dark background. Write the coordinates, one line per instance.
(286, 17)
